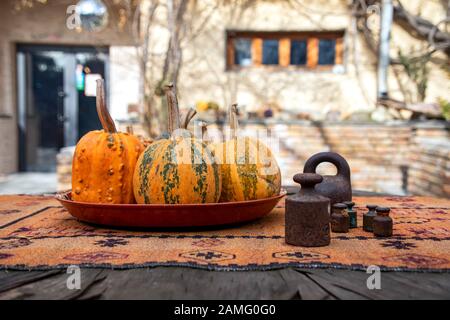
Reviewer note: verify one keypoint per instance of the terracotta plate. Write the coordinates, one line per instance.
(168, 216)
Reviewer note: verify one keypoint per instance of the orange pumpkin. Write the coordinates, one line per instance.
(249, 169)
(104, 161)
(177, 170)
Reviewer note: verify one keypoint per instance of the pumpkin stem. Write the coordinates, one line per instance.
(204, 127)
(234, 125)
(173, 110)
(102, 111)
(187, 117)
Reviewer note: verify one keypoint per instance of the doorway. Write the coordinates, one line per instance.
(56, 100)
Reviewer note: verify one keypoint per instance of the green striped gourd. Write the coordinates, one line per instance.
(249, 170)
(177, 170)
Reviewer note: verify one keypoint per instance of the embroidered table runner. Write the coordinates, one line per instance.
(36, 232)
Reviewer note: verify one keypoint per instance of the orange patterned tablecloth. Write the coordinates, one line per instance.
(37, 233)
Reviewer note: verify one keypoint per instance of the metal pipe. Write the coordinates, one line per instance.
(383, 50)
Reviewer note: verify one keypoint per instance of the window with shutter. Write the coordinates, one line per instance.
(302, 50)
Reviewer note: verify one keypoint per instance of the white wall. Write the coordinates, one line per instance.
(123, 80)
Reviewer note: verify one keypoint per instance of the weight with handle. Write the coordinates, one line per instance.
(337, 188)
(307, 218)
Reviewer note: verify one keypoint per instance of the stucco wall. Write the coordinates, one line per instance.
(203, 75)
(123, 80)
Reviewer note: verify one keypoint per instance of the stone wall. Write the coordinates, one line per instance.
(8, 146)
(377, 154)
(429, 157)
(64, 169)
(396, 158)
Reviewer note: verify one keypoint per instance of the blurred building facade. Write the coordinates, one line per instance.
(44, 106)
(301, 59)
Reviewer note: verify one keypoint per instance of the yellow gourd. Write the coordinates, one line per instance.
(249, 170)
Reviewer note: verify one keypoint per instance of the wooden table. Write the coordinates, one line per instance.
(185, 283)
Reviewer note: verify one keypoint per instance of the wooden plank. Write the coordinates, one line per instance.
(284, 52)
(309, 290)
(186, 283)
(53, 285)
(312, 49)
(11, 280)
(230, 53)
(339, 51)
(257, 44)
(179, 283)
(287, 34)
(394, 285)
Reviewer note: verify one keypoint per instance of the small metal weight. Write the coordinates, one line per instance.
(353, 223)
(340, 220)
(382, 223)
(368, 217)
(307, 218)
(337, 188)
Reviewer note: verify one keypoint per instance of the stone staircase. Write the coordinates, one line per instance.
(295, 144)
(375, 159)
